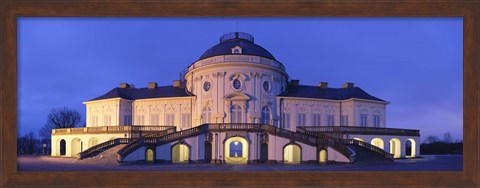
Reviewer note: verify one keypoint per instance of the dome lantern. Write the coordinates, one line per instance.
(236, 35)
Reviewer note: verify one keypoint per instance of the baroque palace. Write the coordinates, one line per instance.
(236, 104)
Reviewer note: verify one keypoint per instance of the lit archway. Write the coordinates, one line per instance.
(410, 143)
(76, 147)
(395, 147)
(62, 147)
(378, 142)
(180, 153)
(150, 155)
(292, 154)
(359, 139)
(236, 150)
(92, 142)
(323, 156)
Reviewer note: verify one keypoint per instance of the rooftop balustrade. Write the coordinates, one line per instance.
(232, 58)
(362, 130)
(133, 129)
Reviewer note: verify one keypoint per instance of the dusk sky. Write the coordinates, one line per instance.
(413, 63)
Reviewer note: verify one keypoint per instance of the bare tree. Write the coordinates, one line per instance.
(60, 118)
(447, 137)
(26, 144)
(431, 139)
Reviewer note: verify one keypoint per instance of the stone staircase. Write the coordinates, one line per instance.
(107, 157)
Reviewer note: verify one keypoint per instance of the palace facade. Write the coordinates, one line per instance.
(237, 104)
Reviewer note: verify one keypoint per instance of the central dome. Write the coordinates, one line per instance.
(230, 41)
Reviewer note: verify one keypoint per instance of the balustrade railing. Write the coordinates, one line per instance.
(368, 146)
(160, 139)
(232, 58)
(305, 137)
(348, 141)
(114, 129)
(92, 151)
(362, 130)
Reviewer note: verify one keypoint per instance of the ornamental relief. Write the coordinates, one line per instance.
(140, 109)
(170, 108)
(207, 103)
(301, 108)
(265, 103)
(265, 76)
(219, 74)
(186, 108)
(255, 74)
(206, 96)
(276, 79)
(155, 108)
(329, 109)
(316, 108)
(287, 108)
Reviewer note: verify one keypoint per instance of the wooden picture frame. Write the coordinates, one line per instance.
(11, 10)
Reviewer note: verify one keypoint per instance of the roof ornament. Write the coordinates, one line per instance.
(237, 35)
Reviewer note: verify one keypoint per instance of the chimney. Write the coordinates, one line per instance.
(152, 85)
(124, 85)
(177, 83)
(347, 85)
(323, 85)
(295, 82)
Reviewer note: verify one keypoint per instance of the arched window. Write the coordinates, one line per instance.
(236, 114)
(206, 115)
(265, 115)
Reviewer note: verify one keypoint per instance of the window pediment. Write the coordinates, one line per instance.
(237, 96)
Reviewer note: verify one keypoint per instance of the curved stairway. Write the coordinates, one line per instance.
(304, 137)
(361, 148)
(99, 148)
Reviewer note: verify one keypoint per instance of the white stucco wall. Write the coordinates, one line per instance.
(386, 140)
(83, 140)
(251, 96)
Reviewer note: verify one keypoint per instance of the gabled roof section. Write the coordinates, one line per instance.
(328, 93)
(144, 93)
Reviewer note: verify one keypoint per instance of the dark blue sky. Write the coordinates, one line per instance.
(414, 63)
